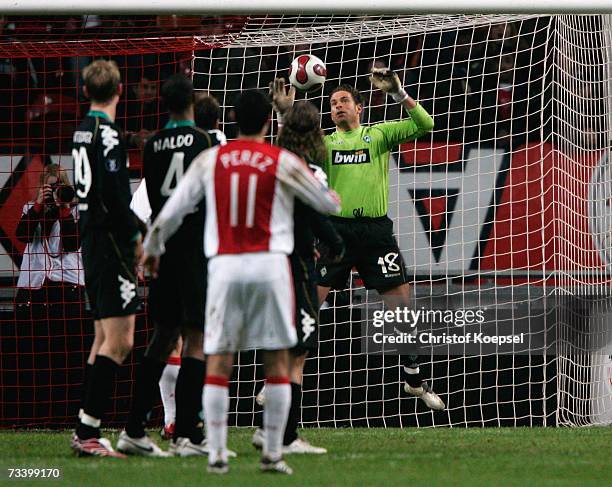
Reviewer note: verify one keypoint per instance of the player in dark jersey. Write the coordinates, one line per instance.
(302, 135)
(111, 247)
(177, 294)
(207, 116)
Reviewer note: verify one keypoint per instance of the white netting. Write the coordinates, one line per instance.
(491, 210)
(506, 207)
(581, 115)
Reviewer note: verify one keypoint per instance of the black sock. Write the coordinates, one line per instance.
(412, 362)
(86, 379)
(294, 414)
(99, 391)
(147, 379)
(188, 398)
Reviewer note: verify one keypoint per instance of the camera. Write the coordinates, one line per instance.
(62, 193)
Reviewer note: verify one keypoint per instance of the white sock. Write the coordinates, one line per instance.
(276, 412)
(411, 371)
(167, 384)
(216, 405)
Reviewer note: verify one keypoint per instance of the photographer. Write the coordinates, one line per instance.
(51, 277)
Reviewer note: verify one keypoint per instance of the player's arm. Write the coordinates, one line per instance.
(115, 192)
(184, 200)
(326, 233)
(321, 225)
(419, 123)
(295, 174)
(31, 217)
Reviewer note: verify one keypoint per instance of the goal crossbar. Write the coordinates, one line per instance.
(208, 7)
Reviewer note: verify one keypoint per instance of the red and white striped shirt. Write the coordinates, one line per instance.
(250, 189)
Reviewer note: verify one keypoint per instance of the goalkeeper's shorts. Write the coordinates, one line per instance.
(372, 249)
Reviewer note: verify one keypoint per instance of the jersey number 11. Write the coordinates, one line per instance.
(235, 200)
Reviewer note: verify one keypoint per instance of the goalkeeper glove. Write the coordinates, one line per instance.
(388, 82)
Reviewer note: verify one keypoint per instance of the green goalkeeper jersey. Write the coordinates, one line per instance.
(357, 164)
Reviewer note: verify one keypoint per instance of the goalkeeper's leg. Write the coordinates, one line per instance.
(414, 384)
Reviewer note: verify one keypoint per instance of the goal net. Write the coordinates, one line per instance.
(503, 210)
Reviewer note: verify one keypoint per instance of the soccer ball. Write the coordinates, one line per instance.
(307, 73)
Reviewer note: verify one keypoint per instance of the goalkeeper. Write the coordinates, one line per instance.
(357, 166)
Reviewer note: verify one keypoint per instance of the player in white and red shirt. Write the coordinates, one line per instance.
(249, 187)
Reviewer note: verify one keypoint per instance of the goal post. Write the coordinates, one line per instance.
(209, 7)
(503, 209)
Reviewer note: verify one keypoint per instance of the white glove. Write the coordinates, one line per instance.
(388, 82)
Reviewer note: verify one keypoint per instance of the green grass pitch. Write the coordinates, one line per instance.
(357, 457)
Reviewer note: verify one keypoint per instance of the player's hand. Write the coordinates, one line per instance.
(138, 249)
(282, 100)
(45, 193)
(151, 264)
(386, 80)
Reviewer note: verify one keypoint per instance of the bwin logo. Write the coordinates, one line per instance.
(127, 290)
(342, 157)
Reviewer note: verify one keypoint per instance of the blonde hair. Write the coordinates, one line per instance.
(54, 170)
(102, 79)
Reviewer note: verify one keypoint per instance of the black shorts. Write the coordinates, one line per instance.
(372, 249)
(110, 275)
(306, 305)
(178, 296)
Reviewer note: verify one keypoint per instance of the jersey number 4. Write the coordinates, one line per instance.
(174, 174)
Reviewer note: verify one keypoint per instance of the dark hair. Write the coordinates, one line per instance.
(177, 93)
(302, 134)
(252, 111)
(207, 112)
(355, 93)
(150, 73)
(102, 79)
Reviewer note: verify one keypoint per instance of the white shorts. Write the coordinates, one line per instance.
(250, 303)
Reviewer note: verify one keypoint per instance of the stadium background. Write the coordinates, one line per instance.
(41, 360)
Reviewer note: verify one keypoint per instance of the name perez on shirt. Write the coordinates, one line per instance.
(246, 158)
